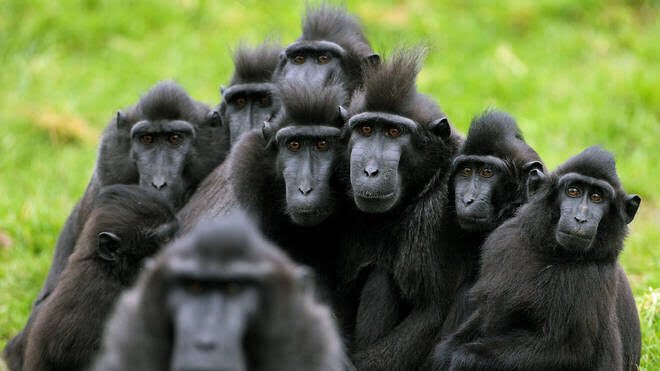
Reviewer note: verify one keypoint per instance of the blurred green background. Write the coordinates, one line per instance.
(574, 74)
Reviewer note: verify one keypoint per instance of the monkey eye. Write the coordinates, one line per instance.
(299, 59)
(293, 146)
(467, 171)
(596, 198)
(194, 287)
(175, 139)
(366, 130)
(393, 132)
(240, 102)
(232, 288)
(146, 139)
(486, 173)
(573, 192)
(323, 59)
(322, 145)
(265, 101)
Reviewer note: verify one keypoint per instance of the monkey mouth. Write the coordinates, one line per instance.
(374, 195)
(308, 211)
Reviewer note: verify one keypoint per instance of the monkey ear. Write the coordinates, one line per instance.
(214, 118)
(120, 119)
(108, 245)
(267, 131)
(535, 176)
(372, 60)
(222, 90)
(632, 204)
(343, 113)
(440, 127)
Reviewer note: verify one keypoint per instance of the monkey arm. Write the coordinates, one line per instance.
(405, 347)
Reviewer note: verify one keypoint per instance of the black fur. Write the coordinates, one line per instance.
(255, 65)
(496, 134)
(67, 332)
(166, 100)
(403, 248)
(542, 306)
(291, 330)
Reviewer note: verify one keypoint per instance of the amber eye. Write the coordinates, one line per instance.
(573, 192)
(232, 288)
(146, 139)
(175, 139)
(393, 132)
(323, 59)
(194, 287)
(265, 101)
(366, 130)
(293, 146)
(240, 102)
(467, 171)
(596, 197)
(486, 172)
(299, 59)
(322, 145)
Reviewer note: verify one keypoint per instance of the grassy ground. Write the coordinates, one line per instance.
(574, 73)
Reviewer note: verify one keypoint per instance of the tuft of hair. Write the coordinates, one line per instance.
(334, 23)
(167, 100)
(310, 105)
(141, 203)
(255, 64)
(594, 162)
(495, 133)
(390, 87)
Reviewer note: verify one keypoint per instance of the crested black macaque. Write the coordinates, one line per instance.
(488, 183)
(167, 142)
(332, 47)
(285, 177)
(395, 272)
(249, 100)
(551, 294)
(127, 224)
(222, 298)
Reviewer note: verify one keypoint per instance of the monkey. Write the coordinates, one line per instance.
(223, 298)
(127, 224)
(551, 294)
(167, 141)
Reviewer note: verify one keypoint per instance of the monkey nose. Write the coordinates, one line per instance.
(580, 219)
(371, 169)
(467, 201)
(158, 183)
(304, 189)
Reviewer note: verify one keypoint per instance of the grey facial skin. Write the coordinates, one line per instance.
(474, 186)
(583, 204)
(376, 148)
(160, 150)
(313, 62)
(305, 160)
(248, 106)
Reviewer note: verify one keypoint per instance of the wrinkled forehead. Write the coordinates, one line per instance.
(309, 132)
(161, 126)
(463, 160)
(306, 46)
(247, 89)
(381, 119)
(575, 178)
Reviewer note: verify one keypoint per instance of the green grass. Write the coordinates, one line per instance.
(574, 73)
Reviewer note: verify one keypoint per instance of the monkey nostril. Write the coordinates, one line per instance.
(159, 185)
(468, 201)
(204, 345)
